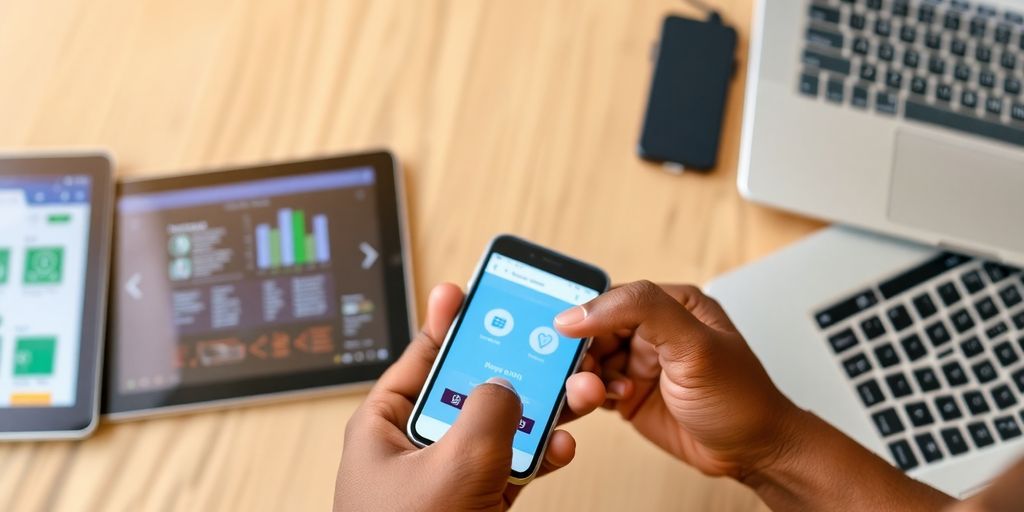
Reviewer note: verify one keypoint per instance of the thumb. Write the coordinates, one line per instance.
(486, 425)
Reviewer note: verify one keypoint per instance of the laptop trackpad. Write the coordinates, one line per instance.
(966, 193)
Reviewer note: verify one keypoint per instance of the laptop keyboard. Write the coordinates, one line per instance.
(947, 63)
(936, 356)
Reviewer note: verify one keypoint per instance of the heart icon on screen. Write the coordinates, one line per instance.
(544, 339)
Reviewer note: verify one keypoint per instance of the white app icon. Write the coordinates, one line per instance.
(498, 322)
(544, 340)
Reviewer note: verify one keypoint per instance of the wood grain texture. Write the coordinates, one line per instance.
(516, 117)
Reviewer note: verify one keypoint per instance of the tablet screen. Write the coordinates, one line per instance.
(44, 245)
(265, 277)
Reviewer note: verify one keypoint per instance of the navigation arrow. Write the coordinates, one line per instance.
(369, 255)
(132, 286)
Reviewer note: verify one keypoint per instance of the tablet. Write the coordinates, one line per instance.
(255, 283)
(55, 222)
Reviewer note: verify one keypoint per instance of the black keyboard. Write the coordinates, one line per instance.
(936, 356)
(949, 63)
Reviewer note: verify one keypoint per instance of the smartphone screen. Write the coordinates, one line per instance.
(506, 330)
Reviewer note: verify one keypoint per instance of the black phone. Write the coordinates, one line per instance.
(506, 329)
(687, 96)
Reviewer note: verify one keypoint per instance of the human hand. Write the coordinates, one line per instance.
(466, 469)
(684, 376)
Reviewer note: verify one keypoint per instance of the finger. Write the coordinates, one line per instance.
(485, 427)
(584, 393)
(706, 309)
(641, 307)
(407, 375)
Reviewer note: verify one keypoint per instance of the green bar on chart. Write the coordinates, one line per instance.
(275, 248)
(299, 236)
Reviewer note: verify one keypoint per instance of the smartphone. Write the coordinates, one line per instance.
(506, 329)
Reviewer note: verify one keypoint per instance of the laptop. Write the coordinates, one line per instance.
(903, 117)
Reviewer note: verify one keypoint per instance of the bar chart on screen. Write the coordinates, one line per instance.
(293, 240)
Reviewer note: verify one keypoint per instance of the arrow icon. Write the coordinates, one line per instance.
(132, 286)
(369, 255)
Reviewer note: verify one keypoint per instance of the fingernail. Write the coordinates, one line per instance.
(503, 383)
(616, 390)
(573, 315)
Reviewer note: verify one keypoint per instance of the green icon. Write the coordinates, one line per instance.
(34, 356)
(43, 265)
(5, 265)
(179, 245)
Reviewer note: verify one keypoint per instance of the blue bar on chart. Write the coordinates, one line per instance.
(263, 246)
(284, 225)
(323, 242)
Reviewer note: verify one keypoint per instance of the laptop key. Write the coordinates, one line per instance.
(843, 340)
(908, 33)
(936, 65)
(919, 414)
(857, 21)
(870, 392)
(861, 46)
(825, 62)
(986, 308)
(918, 85)
(900, 8)
(976, 402)
(1007, 427)
(927, 379)
(894, 79)
(938, 334)
(1011, 85)
(885, 102)
(951, 21)
(972, 281)
(913, 347)
(947, 408)
(860, 97)
(1002, 33)
(984, 371)
(980, 434)
(997, 272)
(924, 305)
(888, 422)
(872, 327)
(971, 347)
(886, 52)
(969, 99)
(962, 320)
(1010, 295)
(943, 92)
(987, 79)
(883, 27)
(911, 58)
(825, 14)
(886, 355)
(898, 384)
(929, 448)
(1018, 320)
(868, 72)
(933, 40)
(856, 365)
(1006, 354)
(962, 72)
(957, 47)
(1008, 60)
(955, 374)
(994, 105)
(899, 317)
(823, 37)
(1018, 379)
(955, 442)
(1003, 396)
(926, 13)
(903, 455)
(977, 27)
(948, 293)
(997, 329)
(983, 53)
(834, 91)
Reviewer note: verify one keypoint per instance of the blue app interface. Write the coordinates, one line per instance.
(508, 332)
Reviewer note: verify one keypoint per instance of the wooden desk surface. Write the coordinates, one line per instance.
(507, 116)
